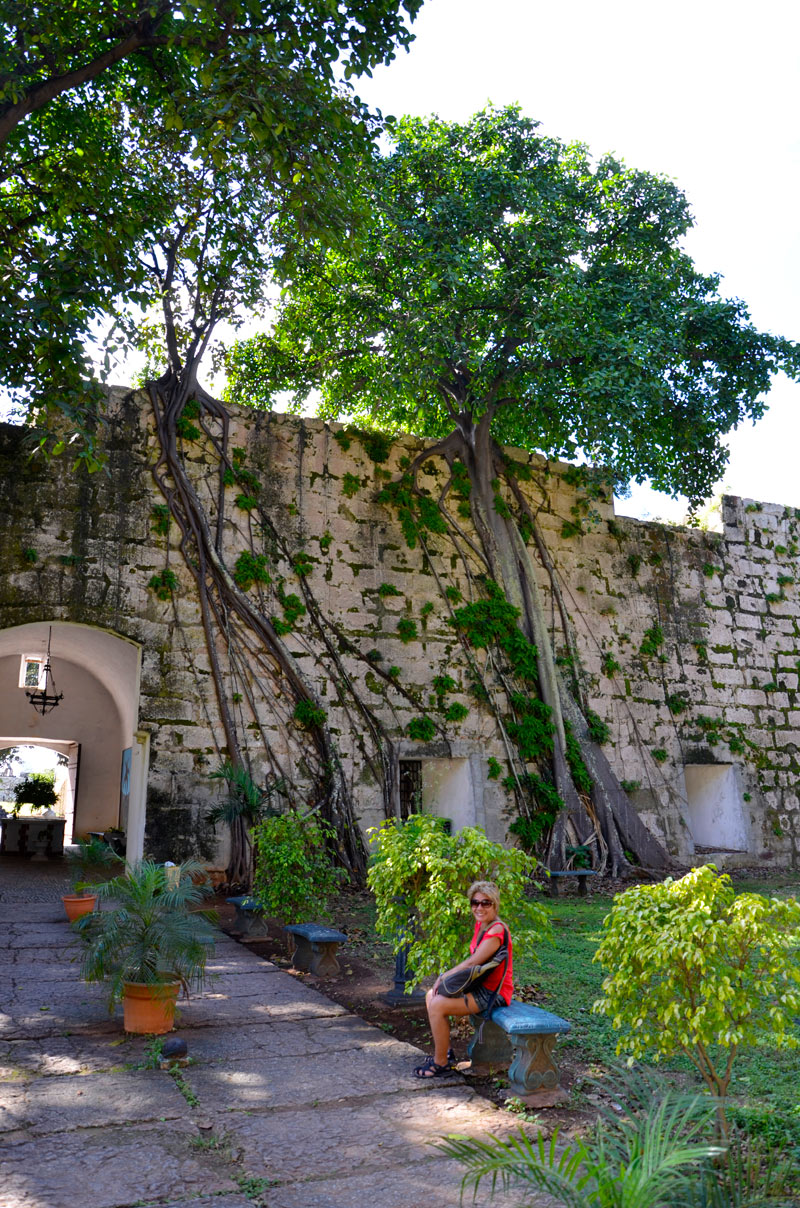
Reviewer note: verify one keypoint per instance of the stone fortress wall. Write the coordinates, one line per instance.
(688, 640)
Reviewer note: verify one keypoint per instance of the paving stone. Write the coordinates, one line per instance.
(278, 997)
(289, 1038)
(44, 937)
(112, 1167)
(224, 1201)
(238, 961)
(243, 984)
(55, 1105)
(22, 973)
(259, 1083)
(428, 1182)
(340, 1140)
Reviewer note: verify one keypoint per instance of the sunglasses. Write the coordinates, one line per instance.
(476, 902)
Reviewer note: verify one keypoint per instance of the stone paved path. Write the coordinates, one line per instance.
(289, 1102)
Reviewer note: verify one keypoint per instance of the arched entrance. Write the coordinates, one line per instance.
(96, 722)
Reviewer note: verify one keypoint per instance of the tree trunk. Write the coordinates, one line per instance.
(227, 614)
(510, 565)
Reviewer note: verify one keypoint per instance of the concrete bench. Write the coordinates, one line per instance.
(315, 948)
(521, 1037)
(581, 873)
(249, 919)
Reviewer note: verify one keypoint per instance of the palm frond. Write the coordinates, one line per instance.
(519, 1160)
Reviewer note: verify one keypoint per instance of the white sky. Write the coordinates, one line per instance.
(703, 91)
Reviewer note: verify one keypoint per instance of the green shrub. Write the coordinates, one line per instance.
(422, 729)
(599, 730)
(295, 876)
(351, 484)
(693, 968)
(653, 639)
(308, 715)
(163, 584)
(406, 630)
(420, 876)
(249, 569)
(159, 519)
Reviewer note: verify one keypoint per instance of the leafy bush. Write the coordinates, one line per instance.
(420, 876)
(37, 790)
(599, 730)
(693, 968)
(295, 875)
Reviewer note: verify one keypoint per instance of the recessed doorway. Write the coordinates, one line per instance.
(716, 808)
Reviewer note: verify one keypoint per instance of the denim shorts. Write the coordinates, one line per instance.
(483, 997)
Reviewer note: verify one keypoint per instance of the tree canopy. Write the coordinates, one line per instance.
(508, 275)
(88, 99)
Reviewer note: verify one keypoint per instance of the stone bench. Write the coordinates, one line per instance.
(249, 919)
(315, 948)
(521, 1037)
(581, 873)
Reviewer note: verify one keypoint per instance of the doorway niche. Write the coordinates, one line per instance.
(715, 805)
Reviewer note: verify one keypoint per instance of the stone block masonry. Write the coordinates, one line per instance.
(688, 641)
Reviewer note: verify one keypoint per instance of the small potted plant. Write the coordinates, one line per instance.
(153, 942)
(91, 858)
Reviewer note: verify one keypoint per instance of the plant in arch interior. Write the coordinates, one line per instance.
(510, 290)
(694, 968)
(420, 875)
(37, 790)
(153, 943)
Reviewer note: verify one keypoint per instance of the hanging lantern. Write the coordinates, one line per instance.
(42, 700)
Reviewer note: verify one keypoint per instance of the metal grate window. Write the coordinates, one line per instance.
(410, 787)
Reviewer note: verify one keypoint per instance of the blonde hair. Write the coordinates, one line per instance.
(486, 887)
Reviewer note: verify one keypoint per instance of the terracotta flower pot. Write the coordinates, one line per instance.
(76, 904)
(150, 1008)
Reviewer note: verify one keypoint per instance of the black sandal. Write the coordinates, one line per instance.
(429, 1068)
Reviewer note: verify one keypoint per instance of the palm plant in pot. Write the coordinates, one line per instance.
(89, 862)
(152, 943)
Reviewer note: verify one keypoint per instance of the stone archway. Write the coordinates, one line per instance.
(98, 673)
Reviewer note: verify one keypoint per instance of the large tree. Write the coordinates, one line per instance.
(512, 291)
(78, 82)
(153, 157)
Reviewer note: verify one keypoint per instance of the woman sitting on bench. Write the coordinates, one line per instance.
(476, 986)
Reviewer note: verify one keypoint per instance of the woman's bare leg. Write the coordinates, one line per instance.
(440, 1010)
